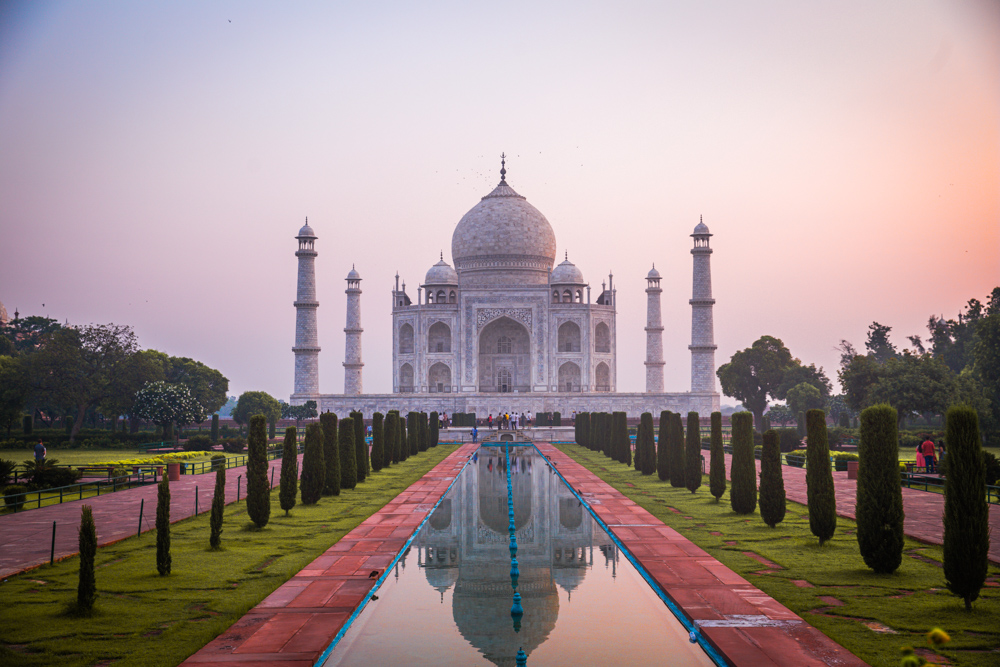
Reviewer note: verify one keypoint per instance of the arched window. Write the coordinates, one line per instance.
(555, 296)
(569, 377)
(503, 345)
(452, 297)
(602, 338)
(569, 337)
(406, 339)
(441, 298)
(439, 338)
(579, 296)
(602, 377)
(439, 378)
(430, 296)
(504, 381)
(406, 379)
(567, 296)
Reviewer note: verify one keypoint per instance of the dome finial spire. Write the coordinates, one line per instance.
(567, 255)
(503, 169)
(442, 255)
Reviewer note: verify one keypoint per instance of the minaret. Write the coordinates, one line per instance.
(702, 328)
(352, 355)
(654, 334)
(306, 336)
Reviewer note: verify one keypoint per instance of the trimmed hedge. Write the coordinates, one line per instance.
(692, 453)
(258, 490)
(820, 496)
(717, 465)
(620, 439)
(289, 485)
(331, 454)
(879, 506)
(663, 447)
(348, 454)
(743, 470)
(676, 451)
(378, 441)
(772, 485)
(313, 477)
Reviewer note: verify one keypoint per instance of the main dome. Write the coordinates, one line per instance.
(504, 240)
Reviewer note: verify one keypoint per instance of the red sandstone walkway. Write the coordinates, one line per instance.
(924, 510)
(295, 624)
(748, 626)
(26, 537)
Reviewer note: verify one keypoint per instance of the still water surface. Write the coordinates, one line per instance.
(448, 600)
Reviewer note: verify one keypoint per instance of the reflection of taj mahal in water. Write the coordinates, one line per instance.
(557, 540)
(503, 329)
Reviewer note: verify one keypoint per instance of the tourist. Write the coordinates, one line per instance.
(920, 463)
(475, 434)
(39, 452)
(489, 421)
(927, 449)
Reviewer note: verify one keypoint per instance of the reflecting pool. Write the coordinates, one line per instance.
(448, 600)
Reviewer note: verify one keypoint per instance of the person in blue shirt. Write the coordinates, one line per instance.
(39, 452)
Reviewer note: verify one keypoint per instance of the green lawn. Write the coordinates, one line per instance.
(879, 613)
(143, 619)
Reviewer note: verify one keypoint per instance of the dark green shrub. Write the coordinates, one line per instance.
(772, 485)
(218, 508)
(218, 461)
(676, 451)
(163, 527)
(796, 458)
(348, 455)
(620, 439)
(841, 459)
(717, 465)
(421, 432)
(412, 434)
(258, 490)
(391, 438)
(788, 439)
(637, 454)
(583, 429)
(991, 466)
(86, 588)
(556, 419)
(879, 507)
(645, 448)
(27, 424)
(435, 426)
(198, 443)
(404, 438)
(46, 474)
(215, 427)
(820, 495)
(378, 441)
(743, 470)
(6, 470)
(12, 498)
(271, 429)
(844, 421)
(313, 477)
(360, 446)
(234, 445)
(289, 485)
(966, 514)
(331, 454)
(663, 447)
(692, 453)
(801, 425)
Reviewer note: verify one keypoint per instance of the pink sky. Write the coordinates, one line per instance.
(156, 161)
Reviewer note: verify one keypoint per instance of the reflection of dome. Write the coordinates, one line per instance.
(570, 513)
(441, 519)
(505, 236)
(441, 578)
(569, 578)
(493, 509)
(441, 274)
(566, 274)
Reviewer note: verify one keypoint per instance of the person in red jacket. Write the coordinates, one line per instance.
(927, 449)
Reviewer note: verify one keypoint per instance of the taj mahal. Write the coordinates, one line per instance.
(505, 329)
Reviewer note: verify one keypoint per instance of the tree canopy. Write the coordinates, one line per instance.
(755, 373)
(256, 403)
(164, 403)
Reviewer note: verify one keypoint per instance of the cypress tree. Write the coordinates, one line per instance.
(412, 433)
(663, 447)
(348, 454)
(391, 435)
(819, 478)
(258, 493)
(313, 476)
(772, 485)
(215, 427)
(86, 588)
(607, 422)
(404, 438)
(717, 466)
(331, 454)
(422, 431)
(27, 424)
(360, 446)
(435, 429)
(966, 514)
(637, 454)
(595, 431)
(692, 453)
(289, 471)
(676, 450)
(743, 470)
(879, 507)
(620, 438)
(644, 444)
(271, 426)
(163, 526)
(800, 424)
(378, 441)
(583, 429)
(218, 508)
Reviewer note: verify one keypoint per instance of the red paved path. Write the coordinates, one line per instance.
(924, 510)
(26, 537)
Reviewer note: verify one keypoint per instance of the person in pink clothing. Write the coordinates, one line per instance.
(927, 449)
(920, 463)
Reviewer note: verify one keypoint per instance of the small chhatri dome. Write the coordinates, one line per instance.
(306, 231)
(702, 228)
(441, 274)
(353, 274)
(566, 274)
(653, 273)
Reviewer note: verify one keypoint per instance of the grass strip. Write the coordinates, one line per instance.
(871, 615)
(141, 618)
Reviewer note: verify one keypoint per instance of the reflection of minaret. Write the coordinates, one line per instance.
(702, 328)
(352, 355)
(654, 334)
(306, 337)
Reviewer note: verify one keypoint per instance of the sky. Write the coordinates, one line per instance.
(158, 158)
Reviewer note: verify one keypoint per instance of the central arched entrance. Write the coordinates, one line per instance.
(504, 357)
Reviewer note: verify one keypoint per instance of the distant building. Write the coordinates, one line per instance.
(503, 330)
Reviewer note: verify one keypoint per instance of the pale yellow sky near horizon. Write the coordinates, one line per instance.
(157, 159)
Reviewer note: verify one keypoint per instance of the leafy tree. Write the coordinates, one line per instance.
(772, 485)
(858, 378)
(803, 397)
(258, 493)
(954, 341)
(755, 373)
(663, 447)
(215, 427)
(165, 404)
(163, 561)
(986, 368)
(797, 373)
(743, 469)
(780, 414)
(692, 453)
(378, 438)
(914, 384)
(142, 368)
(717, 465)
(645, 448)
(313, 466)
(879, 505)
(820, 495)
(966, 514)
(836, 407)
(331, 454)
(218, 508)
(25, 334)
(207, 385)
(298, 412)
(13, 391)
(878, 344)
(348, 455)
(86, 588)
(289, 485)
(256, 403)
(676, 451)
